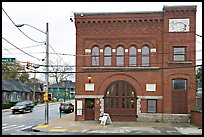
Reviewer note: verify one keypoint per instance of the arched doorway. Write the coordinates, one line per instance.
(120, 101)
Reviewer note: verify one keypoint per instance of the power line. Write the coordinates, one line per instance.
(23, 53)
(58, 54)
(27, 47)
(20, 29)
(19, 48)
(199, 35)
(113, 70)
(6, 49)
(117, 55)
(106, 66)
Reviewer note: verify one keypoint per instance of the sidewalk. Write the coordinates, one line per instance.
(67, 123)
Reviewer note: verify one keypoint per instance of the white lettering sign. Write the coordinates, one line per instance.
(150, 87)
(89, 87)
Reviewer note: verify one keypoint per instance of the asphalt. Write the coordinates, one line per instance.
(67, 124)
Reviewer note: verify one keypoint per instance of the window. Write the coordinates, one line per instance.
(95, 56)
(179, 53)
(132, 56)
(145, 56)
(107, 56)
(151, 105)
(120, 56)
(179, 84)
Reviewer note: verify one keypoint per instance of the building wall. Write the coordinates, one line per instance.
(138, 29)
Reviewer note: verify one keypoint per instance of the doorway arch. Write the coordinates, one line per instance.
(120, 101)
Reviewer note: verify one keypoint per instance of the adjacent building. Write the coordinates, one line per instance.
(136, 66)
(64, 90)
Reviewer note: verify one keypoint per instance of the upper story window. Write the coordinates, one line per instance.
(179, 53)
(132, 56)
(120, 56)
(95, 56)
(107, 56)
(145, 56)
(179, 84)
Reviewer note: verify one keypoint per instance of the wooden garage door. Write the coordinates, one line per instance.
(120, 101)
(179, 96)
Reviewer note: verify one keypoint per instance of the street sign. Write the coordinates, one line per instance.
(8, 59)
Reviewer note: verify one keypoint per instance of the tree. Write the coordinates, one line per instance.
(14, 67)
(199, 74)
(59, 71)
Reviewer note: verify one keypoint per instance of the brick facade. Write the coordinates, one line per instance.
(138, 29)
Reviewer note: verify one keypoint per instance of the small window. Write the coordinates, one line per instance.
(179, 53)
(132, 56)
(95, 56)
(151, 105)
(120, 56)
(179, 84)
(107, 56)
(145, 56)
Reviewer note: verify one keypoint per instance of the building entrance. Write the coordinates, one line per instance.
(89, 111)
(120, 101)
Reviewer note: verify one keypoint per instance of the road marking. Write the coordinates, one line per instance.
(8, 126)
(24, 128)
(42, 126)
(14, 127)
(4, 124)
(57, 130)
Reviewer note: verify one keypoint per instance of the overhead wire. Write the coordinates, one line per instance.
(20, 29)
(19, 48)
(27, 47)
(57, 54)
(113, 70)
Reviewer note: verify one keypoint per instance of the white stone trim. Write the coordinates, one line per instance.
(153, 50)
(150, 97)
(87, 50)
(88, 96)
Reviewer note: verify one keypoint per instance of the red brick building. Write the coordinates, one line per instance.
(136, 66)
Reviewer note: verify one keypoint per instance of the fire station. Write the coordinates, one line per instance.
(136, 66)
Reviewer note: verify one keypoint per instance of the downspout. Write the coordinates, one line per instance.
(163, 32)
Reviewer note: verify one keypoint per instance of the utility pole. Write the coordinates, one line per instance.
(47, 75)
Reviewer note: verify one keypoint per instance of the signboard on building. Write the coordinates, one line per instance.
(89, 87)
(79, 107)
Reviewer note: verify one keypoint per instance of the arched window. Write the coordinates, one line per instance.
(107, 56)
(120, 56)
(95, 56)
(132, 56)
(145, 56)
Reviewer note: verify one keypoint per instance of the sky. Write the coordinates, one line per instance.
(62, 33)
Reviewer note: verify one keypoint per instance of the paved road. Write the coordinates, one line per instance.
(17, 123)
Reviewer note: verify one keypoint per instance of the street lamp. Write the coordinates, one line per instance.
(47, 68)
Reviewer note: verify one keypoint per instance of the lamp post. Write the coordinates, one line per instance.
(47, 68)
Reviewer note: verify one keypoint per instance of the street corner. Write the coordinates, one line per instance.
(40, 128)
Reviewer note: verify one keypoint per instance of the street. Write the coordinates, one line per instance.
(20, 124)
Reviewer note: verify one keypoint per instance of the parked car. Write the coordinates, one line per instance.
(66, 107)
(23, 106)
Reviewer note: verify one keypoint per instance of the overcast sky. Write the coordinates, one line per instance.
(62, 36)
